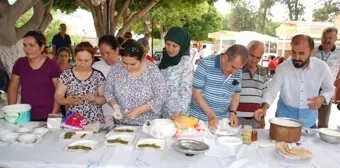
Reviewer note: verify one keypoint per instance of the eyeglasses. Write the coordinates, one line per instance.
(129, 50)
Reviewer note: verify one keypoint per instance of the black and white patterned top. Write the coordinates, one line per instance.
(75, 87)
(179, 87)
(131, 92)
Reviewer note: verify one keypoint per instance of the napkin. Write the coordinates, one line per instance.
(217, 150)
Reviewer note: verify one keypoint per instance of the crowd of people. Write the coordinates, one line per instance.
(127, 87)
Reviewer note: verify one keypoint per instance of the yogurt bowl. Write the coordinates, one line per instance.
(10, 137)
(27, 138)
(23, 130)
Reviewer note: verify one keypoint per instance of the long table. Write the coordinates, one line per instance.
(49, 153)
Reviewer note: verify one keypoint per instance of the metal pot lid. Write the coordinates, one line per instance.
(287, 122)
(192, 145)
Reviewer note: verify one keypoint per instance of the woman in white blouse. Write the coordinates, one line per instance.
(178, 71)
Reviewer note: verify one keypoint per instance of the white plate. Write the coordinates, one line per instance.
(77, 136)
(159, 142)
(135, 129)
(229, 141)
(125, 137)
(88, 143)
(231, 131)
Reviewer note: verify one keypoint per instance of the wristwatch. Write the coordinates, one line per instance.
(232, 111)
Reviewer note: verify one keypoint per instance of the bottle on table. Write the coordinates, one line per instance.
(246, 135)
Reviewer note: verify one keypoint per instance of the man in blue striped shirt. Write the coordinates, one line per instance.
(216, 86)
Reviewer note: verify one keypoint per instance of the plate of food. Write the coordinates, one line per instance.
(124, 129)
(150, 143)
(294, 153)
(120, 140)
(82, 145)
(75, 135)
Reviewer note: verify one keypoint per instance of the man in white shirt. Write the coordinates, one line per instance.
(299, 80)
(109, 50)
(330, 53)
(203, 53)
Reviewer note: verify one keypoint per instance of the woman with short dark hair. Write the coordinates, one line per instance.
(37, 75)
(135, 86)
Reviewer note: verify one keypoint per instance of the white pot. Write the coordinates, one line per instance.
(160, 128)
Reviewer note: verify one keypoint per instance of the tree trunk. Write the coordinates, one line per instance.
(146, 24)
(264, 20)
(162, 35)
(296, 11)
(290, 11)
(11, 47)
(9, 54)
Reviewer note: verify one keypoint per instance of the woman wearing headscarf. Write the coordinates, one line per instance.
(178, 71)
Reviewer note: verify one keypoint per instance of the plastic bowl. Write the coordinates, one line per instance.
(10, 137)
(40, 131)
(27, 138)
(4, 132)
(23, 130)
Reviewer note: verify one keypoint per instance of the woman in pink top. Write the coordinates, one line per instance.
(37, 75)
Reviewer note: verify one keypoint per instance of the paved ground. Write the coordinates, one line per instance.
(333, 121)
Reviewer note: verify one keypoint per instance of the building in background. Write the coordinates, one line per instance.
(289, 29)
(225, 39)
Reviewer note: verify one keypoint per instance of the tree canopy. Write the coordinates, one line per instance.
(327, 11)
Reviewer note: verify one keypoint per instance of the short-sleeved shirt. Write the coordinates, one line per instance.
(272, 64)
(143, 41)
(60, 42)
(37, 88)
(253, 86)
(77, 88)
(216, 88)
(131, 92)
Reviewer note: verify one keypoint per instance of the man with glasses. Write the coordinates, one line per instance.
(217, 86)
(254, 78)
(299, 80)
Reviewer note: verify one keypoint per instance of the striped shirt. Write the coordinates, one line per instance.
(216, 88)
(252, 91)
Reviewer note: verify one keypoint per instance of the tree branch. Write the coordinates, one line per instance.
(34, 22)
(22, 6)
(112, 17)
(136, 16)
(122, 10)
(47, 16)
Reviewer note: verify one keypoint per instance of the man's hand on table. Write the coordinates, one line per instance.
(233, 119)
(259, 113)
(316, 102)
(213, 121)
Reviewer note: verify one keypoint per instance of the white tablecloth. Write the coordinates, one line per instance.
(49, 153)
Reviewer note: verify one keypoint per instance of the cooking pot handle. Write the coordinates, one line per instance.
(146, 126)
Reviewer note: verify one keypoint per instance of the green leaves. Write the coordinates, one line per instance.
(327, 11)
